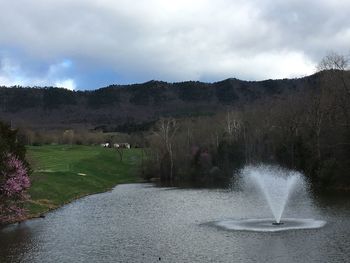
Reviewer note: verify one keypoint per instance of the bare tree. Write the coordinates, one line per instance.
(333, 61)
(233, 124)
(337, 82)
(166, 130)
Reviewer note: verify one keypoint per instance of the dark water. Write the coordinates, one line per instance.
(141, 223)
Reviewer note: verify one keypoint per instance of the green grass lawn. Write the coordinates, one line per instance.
(62, 173)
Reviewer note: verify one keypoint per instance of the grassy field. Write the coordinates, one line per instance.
(62, 173)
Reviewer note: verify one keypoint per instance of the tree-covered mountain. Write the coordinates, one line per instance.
(120, 107)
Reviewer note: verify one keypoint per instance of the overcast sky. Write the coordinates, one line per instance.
(85, 44)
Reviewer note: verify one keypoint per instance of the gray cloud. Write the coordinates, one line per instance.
(176, 40)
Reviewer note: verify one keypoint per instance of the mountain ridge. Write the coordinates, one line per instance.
(117, 105)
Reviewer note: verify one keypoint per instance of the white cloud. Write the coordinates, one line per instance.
(12, 73)
(179, 40)
(67, 84)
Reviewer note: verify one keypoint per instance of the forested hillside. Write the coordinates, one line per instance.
(135, 107)
(305, 129)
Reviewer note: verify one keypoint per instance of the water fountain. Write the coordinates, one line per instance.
(275, 185)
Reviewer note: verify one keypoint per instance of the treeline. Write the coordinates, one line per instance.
(152, 93)
(307, 130)
(27, 136)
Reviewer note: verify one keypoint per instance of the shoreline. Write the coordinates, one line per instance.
(64, 173)
(43, 214)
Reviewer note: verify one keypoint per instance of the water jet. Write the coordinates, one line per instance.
(274, 184)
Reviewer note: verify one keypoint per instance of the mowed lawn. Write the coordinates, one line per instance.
(62, 173)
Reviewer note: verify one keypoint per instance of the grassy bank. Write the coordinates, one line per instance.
(62, 173)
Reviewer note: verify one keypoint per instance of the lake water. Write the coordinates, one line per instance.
(142, 223)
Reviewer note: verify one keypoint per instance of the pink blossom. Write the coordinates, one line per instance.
(17, 179)
(14, 184)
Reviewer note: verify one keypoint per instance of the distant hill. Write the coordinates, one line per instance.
(134, 107)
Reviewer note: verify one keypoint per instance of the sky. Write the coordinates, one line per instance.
(88, 44)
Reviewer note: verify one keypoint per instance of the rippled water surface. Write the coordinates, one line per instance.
(142, 223)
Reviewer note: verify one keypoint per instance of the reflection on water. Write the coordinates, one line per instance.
(15, 241)
(141, 223)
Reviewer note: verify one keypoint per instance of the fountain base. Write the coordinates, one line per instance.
(277, 223)
(265, 225)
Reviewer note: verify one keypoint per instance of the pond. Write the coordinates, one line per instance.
(143, 223)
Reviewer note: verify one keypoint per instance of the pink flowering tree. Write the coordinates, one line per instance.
(14, 175)
(14, 183)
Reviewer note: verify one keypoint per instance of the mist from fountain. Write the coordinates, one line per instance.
(275, 184)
